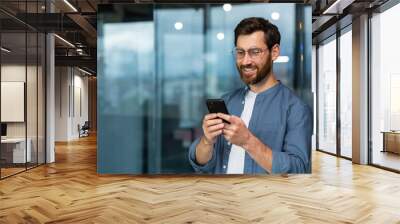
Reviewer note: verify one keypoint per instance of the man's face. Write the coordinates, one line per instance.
(253, 59)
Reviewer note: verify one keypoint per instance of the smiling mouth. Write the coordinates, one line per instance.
(248, 71)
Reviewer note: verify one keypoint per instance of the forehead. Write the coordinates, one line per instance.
(255, 39)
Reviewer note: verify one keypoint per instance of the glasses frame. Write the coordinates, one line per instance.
(250, 52)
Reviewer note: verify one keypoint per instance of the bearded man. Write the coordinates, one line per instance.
(269, 128)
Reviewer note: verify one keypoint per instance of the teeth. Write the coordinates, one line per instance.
(248, 69)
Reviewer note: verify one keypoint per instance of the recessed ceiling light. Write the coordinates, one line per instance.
(227, 7)
(220, 36)
(178, 25)
(5, 50)
(275, 15)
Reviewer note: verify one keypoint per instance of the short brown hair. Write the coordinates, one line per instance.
(250, 25)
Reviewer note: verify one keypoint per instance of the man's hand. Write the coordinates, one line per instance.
(212, 127)
(236, 132)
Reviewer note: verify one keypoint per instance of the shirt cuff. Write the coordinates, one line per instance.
(206, 168)
(280, 162)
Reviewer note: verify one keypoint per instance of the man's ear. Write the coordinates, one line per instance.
(275, 52)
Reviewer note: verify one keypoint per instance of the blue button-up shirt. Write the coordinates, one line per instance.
(280, 120)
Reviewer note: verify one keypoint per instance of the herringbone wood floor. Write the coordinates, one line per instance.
(70, 191)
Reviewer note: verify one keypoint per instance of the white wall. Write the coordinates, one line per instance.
(12, 101)
(12, 73)
(61, 103)
(71, 93)
(80, 110)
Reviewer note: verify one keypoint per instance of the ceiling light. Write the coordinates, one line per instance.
(65, 41)
(338, 6)
(227, 7)
(282, 59)
(84, 71)
(220, 36)
(328, 10)
(5, 50)
(70, 5)
(178, 25)
(275, 15)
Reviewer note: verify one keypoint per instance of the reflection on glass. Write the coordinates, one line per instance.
(152, 88)
(385, 85)
(13, 86)
(346, 94)
(127, 94)
(182, 82)
(327, 97)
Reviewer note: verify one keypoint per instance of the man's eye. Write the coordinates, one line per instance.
(255, 51)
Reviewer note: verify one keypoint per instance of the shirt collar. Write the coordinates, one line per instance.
(265, 92)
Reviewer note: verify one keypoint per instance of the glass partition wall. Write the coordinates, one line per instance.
(385, 90)
(13, 87)
(334, 94)
(22, 77)
(327, 95)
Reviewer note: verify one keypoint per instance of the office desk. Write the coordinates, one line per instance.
(16, 147)
(391, 141)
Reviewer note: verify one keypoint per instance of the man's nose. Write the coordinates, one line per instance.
(246, 59)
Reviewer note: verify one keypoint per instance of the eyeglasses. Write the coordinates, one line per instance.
(253, 52)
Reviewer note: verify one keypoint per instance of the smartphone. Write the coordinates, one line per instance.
(217, 106)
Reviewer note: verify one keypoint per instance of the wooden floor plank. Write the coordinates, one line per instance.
(70, 191)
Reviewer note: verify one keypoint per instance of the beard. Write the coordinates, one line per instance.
(262, 73)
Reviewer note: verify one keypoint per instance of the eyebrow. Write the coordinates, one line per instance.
(252, 47)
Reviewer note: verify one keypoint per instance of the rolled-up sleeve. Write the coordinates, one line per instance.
(295, 156)
(206, 168)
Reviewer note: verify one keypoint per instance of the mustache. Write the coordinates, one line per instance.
(247, 66)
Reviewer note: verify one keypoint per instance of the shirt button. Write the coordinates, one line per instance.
(224, 166)
(229, 143)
